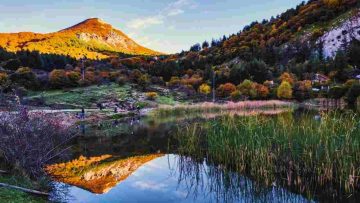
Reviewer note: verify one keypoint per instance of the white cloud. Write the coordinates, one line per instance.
(149, 185)
(145, 22)
(175, 12)
(173, 9)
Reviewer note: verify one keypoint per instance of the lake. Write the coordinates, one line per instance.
(236, 156)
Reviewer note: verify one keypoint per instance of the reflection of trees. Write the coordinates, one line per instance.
(222, 185)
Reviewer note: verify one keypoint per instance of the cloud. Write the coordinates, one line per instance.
(175, 12)
(141, 23)
(149, 185)
(173, 9)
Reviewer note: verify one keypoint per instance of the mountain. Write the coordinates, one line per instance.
(92, 38)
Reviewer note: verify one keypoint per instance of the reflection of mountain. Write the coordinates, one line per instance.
(97, 174)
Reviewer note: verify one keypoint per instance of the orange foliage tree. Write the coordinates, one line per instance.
(225, 90)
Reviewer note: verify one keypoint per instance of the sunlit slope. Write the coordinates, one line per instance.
(91, 38)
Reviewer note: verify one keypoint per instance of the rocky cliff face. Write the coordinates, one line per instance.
(336, 38)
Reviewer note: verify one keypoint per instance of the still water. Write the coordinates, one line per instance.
(137, 160)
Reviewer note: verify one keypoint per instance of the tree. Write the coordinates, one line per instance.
(332, 3)
(205, 45)
(287, 77)
(25, 77)
(195, 47)
(247, 88)
(58, 78)
(225, 90)
(284, 91)
(204, 89)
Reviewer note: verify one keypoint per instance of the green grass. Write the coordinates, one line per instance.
(297, 152)
(17, 196)
(166, 100)
(83, 96)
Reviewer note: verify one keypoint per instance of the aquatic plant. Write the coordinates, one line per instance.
(307, 155)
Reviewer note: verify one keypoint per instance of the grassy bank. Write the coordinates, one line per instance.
(17, 196)
(310, 156)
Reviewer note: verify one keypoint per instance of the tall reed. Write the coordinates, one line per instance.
(302, 153)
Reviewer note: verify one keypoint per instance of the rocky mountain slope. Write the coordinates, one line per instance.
(92, 38)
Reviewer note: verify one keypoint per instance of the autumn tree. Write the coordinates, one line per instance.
(204, 89)
(58, 78)
(287, 77)
(225, 90)
(284, 91)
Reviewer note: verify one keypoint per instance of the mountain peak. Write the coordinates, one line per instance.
(93, 38)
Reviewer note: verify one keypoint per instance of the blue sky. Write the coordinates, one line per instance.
(163, 25)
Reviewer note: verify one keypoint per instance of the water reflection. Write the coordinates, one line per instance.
(140, 160)
(173, 178)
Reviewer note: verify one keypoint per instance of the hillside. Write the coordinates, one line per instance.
(91, 38)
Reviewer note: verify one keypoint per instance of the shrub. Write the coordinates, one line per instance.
(262, 91)
(25, 77)
(29, 141)
(236, 95)
(58, 78)
(151, 95)
(4, 81)
(284, 91)
(174, 81)
(246, 87)
(353, 94)
(204, 89)
(337, 92)
(73, 77)
(113, 76)
(225, 90)
(121, 80)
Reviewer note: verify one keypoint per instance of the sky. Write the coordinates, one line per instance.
(168, 26)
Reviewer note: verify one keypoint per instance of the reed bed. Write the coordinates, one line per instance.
(183, 109)
(308, 155)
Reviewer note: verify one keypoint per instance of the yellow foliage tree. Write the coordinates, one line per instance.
(204, 89)
(288, 78)
(284, 91)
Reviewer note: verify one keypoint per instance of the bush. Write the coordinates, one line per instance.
(4, 81)
(284, 91)
(58, 79)
(262, 91)
(29, 141)
(174, 82)
(353, 94)
(225, 90)
(73, 77)
(25, 77)
(337, 92)
(121, 80)
(204, 89)
(151, 95)
(236, 95)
